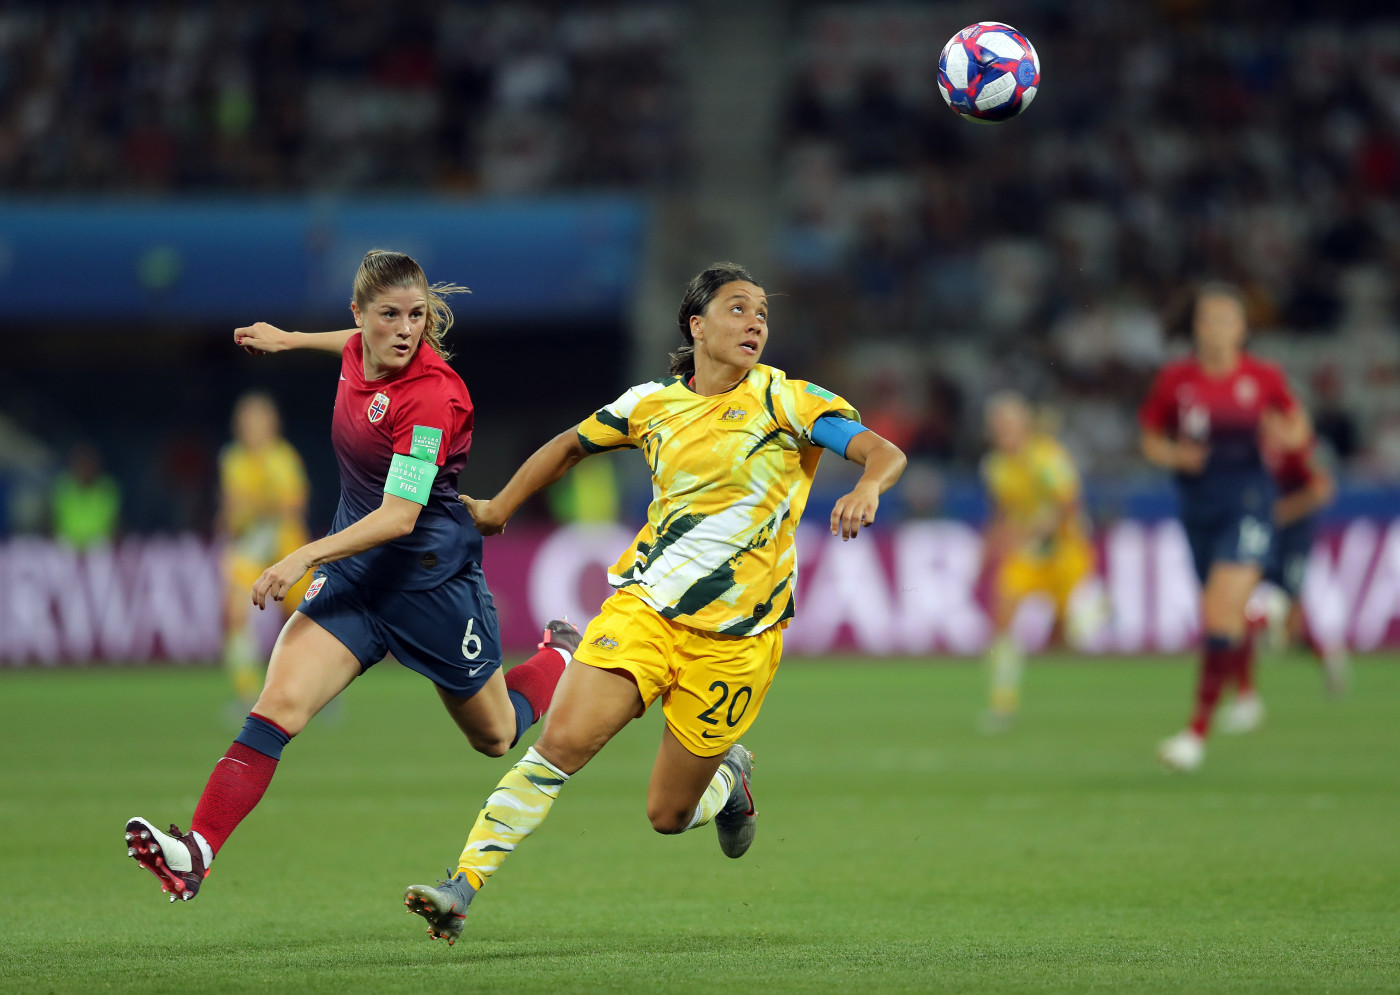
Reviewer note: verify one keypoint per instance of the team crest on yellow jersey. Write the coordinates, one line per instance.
(604, 642)
(734, 414)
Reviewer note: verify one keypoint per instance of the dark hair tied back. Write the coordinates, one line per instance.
(697, 298)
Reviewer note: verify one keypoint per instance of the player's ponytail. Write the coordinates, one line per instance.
(697, 298)
(383, 269)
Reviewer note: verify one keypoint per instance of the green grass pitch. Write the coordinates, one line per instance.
(898, 848)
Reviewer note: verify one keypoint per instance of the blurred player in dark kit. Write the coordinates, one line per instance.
(1203, 419)
(1306, 488)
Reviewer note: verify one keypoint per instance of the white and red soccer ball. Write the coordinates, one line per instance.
(988, 72)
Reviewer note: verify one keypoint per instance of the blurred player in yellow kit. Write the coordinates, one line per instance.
(1036, 542)
(262, 513)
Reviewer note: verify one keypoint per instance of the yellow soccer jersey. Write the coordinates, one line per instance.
(730, 477)
(258, 488)
(1031, 487)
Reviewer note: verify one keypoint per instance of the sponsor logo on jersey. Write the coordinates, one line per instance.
(821, 392)
(378, 407)
(1246, 391)
(734, 414)
(604, 642)
(315, 587)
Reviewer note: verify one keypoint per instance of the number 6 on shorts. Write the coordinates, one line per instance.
(471, 642)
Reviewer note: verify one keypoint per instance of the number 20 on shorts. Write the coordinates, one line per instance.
(740, 700)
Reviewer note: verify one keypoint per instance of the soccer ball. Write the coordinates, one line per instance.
(988, 72)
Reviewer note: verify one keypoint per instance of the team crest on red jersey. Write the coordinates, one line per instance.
(1246, 391)
(378, 407)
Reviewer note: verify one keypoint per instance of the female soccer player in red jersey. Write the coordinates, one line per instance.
(703, 594)
(400, 570)
(1203, 420)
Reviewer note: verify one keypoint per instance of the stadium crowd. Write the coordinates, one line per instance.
(927, 261)
(1053, 253)
(337, 95)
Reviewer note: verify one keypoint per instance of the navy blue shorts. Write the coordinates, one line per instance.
(1288, 562)
(447, 633)
(1236, 537)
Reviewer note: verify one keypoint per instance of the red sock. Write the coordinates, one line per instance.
(235, 787)
(1244, 670)
(536, 679)
(1218, 663)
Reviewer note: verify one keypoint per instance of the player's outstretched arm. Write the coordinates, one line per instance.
(260, 337)
(393, 519)
(883, 462)
(548, 463)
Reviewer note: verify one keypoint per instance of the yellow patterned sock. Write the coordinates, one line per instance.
(512, 812)
(714, 797)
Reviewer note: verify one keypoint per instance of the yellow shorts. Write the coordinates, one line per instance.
(1056, 575)
(242, 572)
(711, 686)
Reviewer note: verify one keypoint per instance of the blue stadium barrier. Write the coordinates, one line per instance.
(126, 262)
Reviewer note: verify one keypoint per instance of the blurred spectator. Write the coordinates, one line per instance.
(86, 502)
(338, 94)
(25, 466)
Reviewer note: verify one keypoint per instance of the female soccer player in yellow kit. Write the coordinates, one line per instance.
(263, 490)
(1037, 536)
(703, 594)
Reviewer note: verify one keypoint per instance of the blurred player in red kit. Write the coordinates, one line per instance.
(1203, 419)
(399, 572)
(1305, 489)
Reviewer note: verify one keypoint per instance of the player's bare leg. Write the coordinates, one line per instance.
(487, 718)
(309, 667)
(678, 779)
(590, 706)
(1005, 666)
(240, 658)
(687, 791)
(494, 719)
(1333, 656)
(1223, 601)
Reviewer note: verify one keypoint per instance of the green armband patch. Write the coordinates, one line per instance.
(821, 392)
(426, 443)
(410, 479)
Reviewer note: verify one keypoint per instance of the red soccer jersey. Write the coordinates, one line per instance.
(1223, 414)
(373, 420)
(1220, 412)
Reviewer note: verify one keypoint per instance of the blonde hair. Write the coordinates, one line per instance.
(384, 269)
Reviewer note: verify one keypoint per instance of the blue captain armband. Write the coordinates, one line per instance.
(835, 432)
